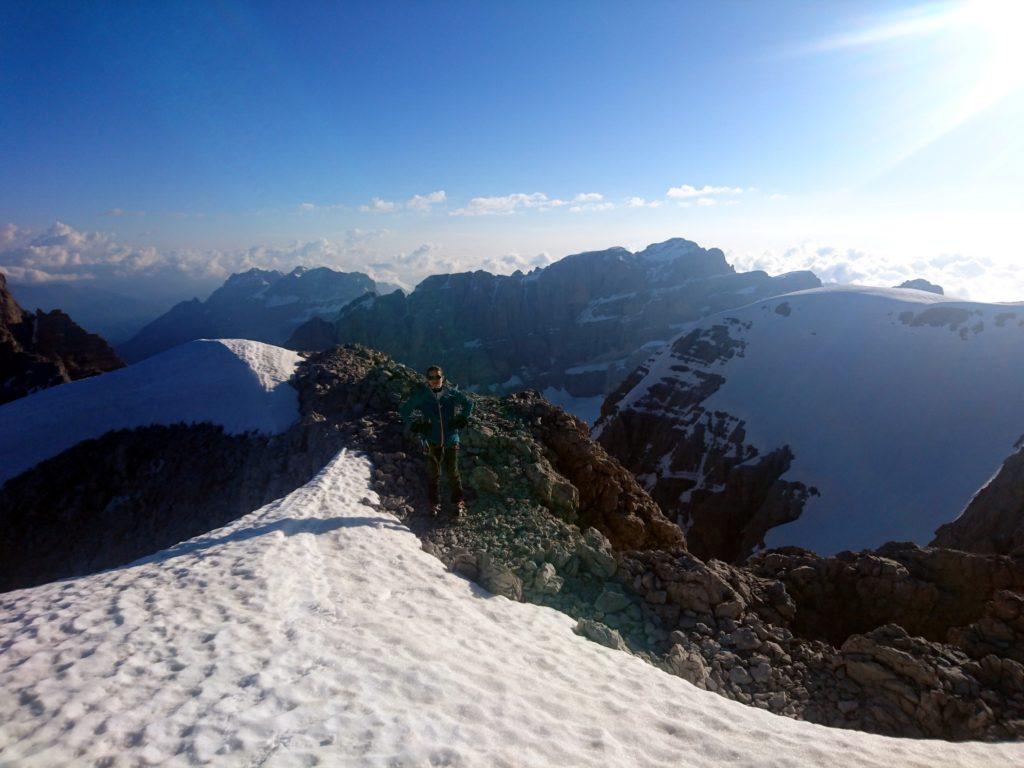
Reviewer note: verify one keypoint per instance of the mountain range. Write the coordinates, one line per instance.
(260, 304)
(573, 330)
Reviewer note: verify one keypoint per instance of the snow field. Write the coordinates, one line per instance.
(316, 630)
(236, 383)
(896, 425)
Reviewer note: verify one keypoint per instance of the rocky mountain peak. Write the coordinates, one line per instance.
(245, 284)
(673, 248)
(259, 304)
(921, 284)
(10, 312)
(44, 349)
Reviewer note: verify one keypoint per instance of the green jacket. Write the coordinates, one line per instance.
(439, 411)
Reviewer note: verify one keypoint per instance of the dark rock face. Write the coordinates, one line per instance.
(316, 333)
(263, 305)
(610, 499)
(994, 519)
(129, 493)
(45, 349)
(927, 591)
(580, 324)
(921, 284)
(708, 479)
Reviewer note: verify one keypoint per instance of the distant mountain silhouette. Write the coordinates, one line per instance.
(262, 305)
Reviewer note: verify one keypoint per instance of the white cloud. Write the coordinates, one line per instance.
(485, 206)
(419, 203)
(706, 201)
(639, 202)
(591, 207)
(377, 205)
(423, 202)
(11, 234)
(590, 201)
(686, 191)
(981, 278)
(777, 196)
(62, 253)
(318, 207)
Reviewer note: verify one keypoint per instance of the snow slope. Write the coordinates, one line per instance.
(316, 631)
(895, 420)
(237, 383)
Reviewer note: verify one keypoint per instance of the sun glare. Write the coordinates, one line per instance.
(1001, 26)
(987, 38)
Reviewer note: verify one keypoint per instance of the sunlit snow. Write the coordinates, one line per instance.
(316, 631)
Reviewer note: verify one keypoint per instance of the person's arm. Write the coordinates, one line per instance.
(467, 409)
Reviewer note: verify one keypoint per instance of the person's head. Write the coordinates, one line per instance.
(435, 377)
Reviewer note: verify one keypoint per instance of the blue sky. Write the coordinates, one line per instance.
(793, 134)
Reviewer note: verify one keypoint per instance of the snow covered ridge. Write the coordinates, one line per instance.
(316, 629)
(239, 384)
(863, 415)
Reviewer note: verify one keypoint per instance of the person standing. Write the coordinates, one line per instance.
(444, 410)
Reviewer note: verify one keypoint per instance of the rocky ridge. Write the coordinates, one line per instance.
(993, 521)
(760, 634)
(930, 654)
(44, 349)
(723, 489)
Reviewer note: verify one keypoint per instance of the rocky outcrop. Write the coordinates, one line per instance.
(579, 325)
(720, 489)
(518, 447)
(920, 284)
(263, 305)
(926, 590)
(994, 519)
(44, 349)
(740, 633)
(610, 499)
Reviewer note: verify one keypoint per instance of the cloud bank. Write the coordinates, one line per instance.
(979, 278)
(64, 254)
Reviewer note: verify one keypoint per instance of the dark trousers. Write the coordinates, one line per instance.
(448, 457)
